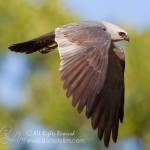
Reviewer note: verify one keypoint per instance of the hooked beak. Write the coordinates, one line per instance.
(126, 38)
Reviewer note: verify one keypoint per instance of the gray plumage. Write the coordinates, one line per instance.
(92, 68)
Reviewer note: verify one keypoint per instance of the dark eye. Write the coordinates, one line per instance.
(122, 34)
(104, 29)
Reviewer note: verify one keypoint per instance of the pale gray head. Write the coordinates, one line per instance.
(117, 34)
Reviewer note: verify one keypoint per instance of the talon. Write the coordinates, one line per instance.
(45, 50)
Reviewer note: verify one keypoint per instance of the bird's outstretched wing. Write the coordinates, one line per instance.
(90, 77)
(92, 69)
(83, 52)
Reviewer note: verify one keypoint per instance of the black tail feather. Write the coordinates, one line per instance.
(44, 43)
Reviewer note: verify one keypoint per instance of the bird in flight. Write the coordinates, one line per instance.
(92, 69)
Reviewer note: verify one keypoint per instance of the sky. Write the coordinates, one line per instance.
(134, 13)
(11, 77)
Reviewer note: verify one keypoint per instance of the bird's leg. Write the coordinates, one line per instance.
(47, 49)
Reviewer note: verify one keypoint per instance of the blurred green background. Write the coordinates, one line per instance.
(31, 93)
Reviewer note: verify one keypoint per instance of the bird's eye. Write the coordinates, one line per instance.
(104, 29)
(122, 34)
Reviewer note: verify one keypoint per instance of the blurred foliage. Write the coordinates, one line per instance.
(25, 19)
(137, 77)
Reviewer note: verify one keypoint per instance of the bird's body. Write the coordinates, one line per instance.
(92, 68)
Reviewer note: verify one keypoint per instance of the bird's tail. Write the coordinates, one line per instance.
(43, 44)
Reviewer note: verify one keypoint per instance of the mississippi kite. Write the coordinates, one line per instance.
(92, 68)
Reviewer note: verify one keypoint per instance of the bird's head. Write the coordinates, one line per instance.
(117, 34)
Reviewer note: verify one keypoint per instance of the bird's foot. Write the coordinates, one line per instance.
(47, 49)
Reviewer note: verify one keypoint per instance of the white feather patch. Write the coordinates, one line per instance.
(67, 50)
